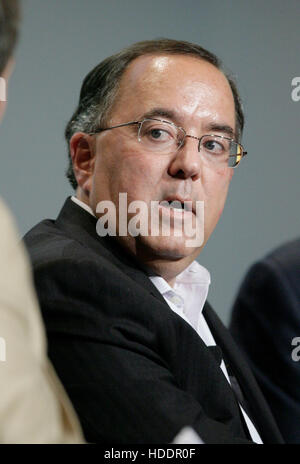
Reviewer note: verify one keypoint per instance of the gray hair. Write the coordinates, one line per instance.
(100, 87)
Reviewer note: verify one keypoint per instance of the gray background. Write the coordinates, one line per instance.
(259, 41)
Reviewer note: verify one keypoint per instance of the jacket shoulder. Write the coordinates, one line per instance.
(47, 243)
(287, 255)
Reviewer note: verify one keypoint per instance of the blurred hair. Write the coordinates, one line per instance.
(100, 86)
(9, 28)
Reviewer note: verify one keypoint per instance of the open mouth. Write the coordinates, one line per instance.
(177, 205)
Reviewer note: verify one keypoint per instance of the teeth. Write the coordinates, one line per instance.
(175, 204)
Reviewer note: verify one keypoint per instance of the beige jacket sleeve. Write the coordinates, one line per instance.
(34, 407)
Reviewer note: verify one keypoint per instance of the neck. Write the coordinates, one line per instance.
(79, 193)
(168, 270)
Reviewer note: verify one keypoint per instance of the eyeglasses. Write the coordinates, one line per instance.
(164, 137)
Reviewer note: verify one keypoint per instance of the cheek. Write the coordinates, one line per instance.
(216, 187)
(141, 177)
(215, 181)
(124, 169)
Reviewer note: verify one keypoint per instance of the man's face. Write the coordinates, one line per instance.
(192, 94)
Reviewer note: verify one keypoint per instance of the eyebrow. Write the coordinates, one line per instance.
(169, 114)
(162, 112)
(221, 128)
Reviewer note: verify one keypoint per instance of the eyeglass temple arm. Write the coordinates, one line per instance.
(244, 153)
(101, 129)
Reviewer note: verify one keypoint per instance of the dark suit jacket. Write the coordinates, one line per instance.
(265, 320)
(135, 371)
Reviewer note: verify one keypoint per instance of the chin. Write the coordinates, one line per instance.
(172, 248)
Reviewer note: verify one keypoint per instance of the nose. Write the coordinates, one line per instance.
(186, 161)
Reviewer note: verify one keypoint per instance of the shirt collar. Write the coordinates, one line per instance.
(191, 285)
(193, 274)
(82, 205)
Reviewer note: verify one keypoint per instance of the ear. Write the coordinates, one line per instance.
(5, 75)
(82, 150)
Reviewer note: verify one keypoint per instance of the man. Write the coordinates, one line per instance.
(268, 304)
(33, 405)
(123, 311)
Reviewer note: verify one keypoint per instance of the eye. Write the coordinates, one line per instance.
(214, 146)
(159, 134)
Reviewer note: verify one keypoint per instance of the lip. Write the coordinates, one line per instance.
(175, 213)
(188, 203)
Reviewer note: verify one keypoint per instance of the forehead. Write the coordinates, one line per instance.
(186, 85)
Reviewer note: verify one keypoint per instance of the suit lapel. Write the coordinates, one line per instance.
(257, 405)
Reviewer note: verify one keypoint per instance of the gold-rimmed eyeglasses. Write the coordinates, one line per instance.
(165, 137)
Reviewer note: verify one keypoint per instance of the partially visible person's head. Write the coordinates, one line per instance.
(183, 85)
(9, 27)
